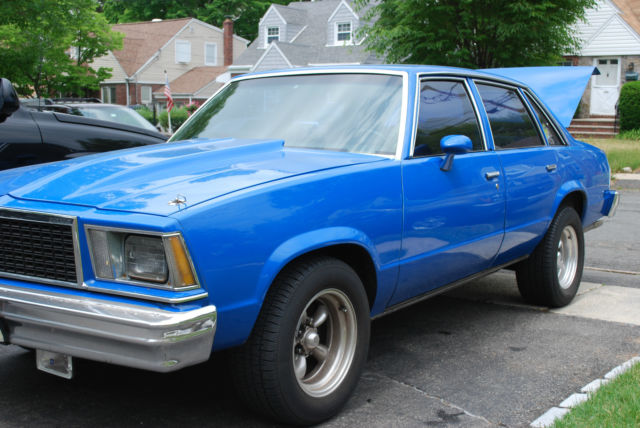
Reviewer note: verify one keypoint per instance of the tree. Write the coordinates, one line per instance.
(245, 13)
(474, 33)
(46, 45)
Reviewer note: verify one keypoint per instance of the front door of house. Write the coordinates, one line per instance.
(605, 87)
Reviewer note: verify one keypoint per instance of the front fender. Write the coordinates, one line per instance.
(306, 243)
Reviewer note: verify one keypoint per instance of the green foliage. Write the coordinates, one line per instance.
(178, 116)
(631, 134)
(145, 112)
(629, 106)
(474, 33)
(616, 404)
(245, 13)
(35, 37)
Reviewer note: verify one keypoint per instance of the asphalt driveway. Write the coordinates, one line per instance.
(474, 357)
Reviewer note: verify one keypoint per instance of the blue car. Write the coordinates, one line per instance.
(289, 211)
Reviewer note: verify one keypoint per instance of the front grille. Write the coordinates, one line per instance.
(37, 246)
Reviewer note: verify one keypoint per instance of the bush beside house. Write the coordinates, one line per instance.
(629, 106)
(178, 116)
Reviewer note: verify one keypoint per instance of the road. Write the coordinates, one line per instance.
(476, 356)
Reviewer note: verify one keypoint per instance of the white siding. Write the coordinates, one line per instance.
(271, 60)
(110, 61)
(594, 19)
(197, 34)
(343, 14)
(271, 19)
(616, 38)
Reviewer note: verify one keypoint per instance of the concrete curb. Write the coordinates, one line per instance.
(550, 416)
(626, 181)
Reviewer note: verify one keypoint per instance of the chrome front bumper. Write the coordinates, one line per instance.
(107, 331)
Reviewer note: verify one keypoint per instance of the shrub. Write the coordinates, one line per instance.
(629, 106)
(178, 116)
(147, 114)
(631, 134)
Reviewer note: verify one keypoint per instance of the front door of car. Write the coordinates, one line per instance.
(453, 220)
(531, 169)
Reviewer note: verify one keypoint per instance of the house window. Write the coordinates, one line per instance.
(273, 34)
(145, 95)
(109, 94)
(210, 54)
(343, 32)
(183, 51)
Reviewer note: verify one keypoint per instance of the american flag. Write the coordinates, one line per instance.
(167, 93)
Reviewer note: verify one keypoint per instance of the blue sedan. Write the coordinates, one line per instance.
(290, 210)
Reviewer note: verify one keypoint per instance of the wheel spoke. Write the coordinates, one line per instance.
(320, 316)
(300, 366)
(320, 353)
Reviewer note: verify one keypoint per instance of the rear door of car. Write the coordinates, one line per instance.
(453, 220)
(530, 166)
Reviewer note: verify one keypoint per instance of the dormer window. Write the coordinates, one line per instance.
(343, 33)
(273, 34)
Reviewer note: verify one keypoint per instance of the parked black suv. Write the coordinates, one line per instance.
(29, 136)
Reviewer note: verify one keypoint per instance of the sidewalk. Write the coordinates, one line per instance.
(626, 181)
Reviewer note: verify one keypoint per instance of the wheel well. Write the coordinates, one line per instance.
(576, 201)
(357, 258)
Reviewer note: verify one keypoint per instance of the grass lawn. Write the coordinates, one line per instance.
(616, 404)
(621, 153)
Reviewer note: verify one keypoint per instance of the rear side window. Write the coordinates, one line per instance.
(445, 109)
(549, 131)
(511, 124)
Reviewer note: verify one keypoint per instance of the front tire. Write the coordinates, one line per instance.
(309, 345)
(552, 273)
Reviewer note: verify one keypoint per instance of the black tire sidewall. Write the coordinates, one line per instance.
(328, 274)
(557, 295)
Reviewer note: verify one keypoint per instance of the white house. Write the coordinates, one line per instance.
(611, 42)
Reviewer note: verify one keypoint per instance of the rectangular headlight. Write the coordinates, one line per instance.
(154, 260)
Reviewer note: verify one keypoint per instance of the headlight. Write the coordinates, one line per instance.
(152, 260)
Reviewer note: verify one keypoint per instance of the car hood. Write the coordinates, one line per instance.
(560, 88)
(146, 179)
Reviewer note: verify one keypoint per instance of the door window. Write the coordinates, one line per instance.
(608, 72)
(445, 109)
(510, 122)
(553, 138)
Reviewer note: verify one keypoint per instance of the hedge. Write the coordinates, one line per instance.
(178, 116)
(629, 106)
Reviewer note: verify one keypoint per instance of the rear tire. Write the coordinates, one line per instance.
(309, 344)
(552, 273)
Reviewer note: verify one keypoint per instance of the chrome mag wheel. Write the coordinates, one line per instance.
(324, 342)
(567, 257)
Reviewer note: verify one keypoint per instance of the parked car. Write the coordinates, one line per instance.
(28, 136)
(288, 211)
(108, 112)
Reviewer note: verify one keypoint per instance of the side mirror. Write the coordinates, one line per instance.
(454, 145)
(9, 101)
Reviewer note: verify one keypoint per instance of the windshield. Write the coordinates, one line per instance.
(357, 113)
(116, 114)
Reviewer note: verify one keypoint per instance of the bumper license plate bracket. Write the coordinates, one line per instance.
(54, 363)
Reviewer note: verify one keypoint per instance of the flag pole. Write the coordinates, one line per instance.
(167, 93)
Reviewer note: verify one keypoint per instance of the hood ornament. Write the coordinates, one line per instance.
(180, 199)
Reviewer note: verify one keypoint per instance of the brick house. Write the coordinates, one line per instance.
(192, 52)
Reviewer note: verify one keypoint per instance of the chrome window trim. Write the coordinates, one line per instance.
(45, 217)
(526, 105)
(383, 72)
(420, 77)
(531, 98)
(87, 227)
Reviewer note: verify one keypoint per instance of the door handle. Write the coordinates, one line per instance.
(491, 175)
(552, 167)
